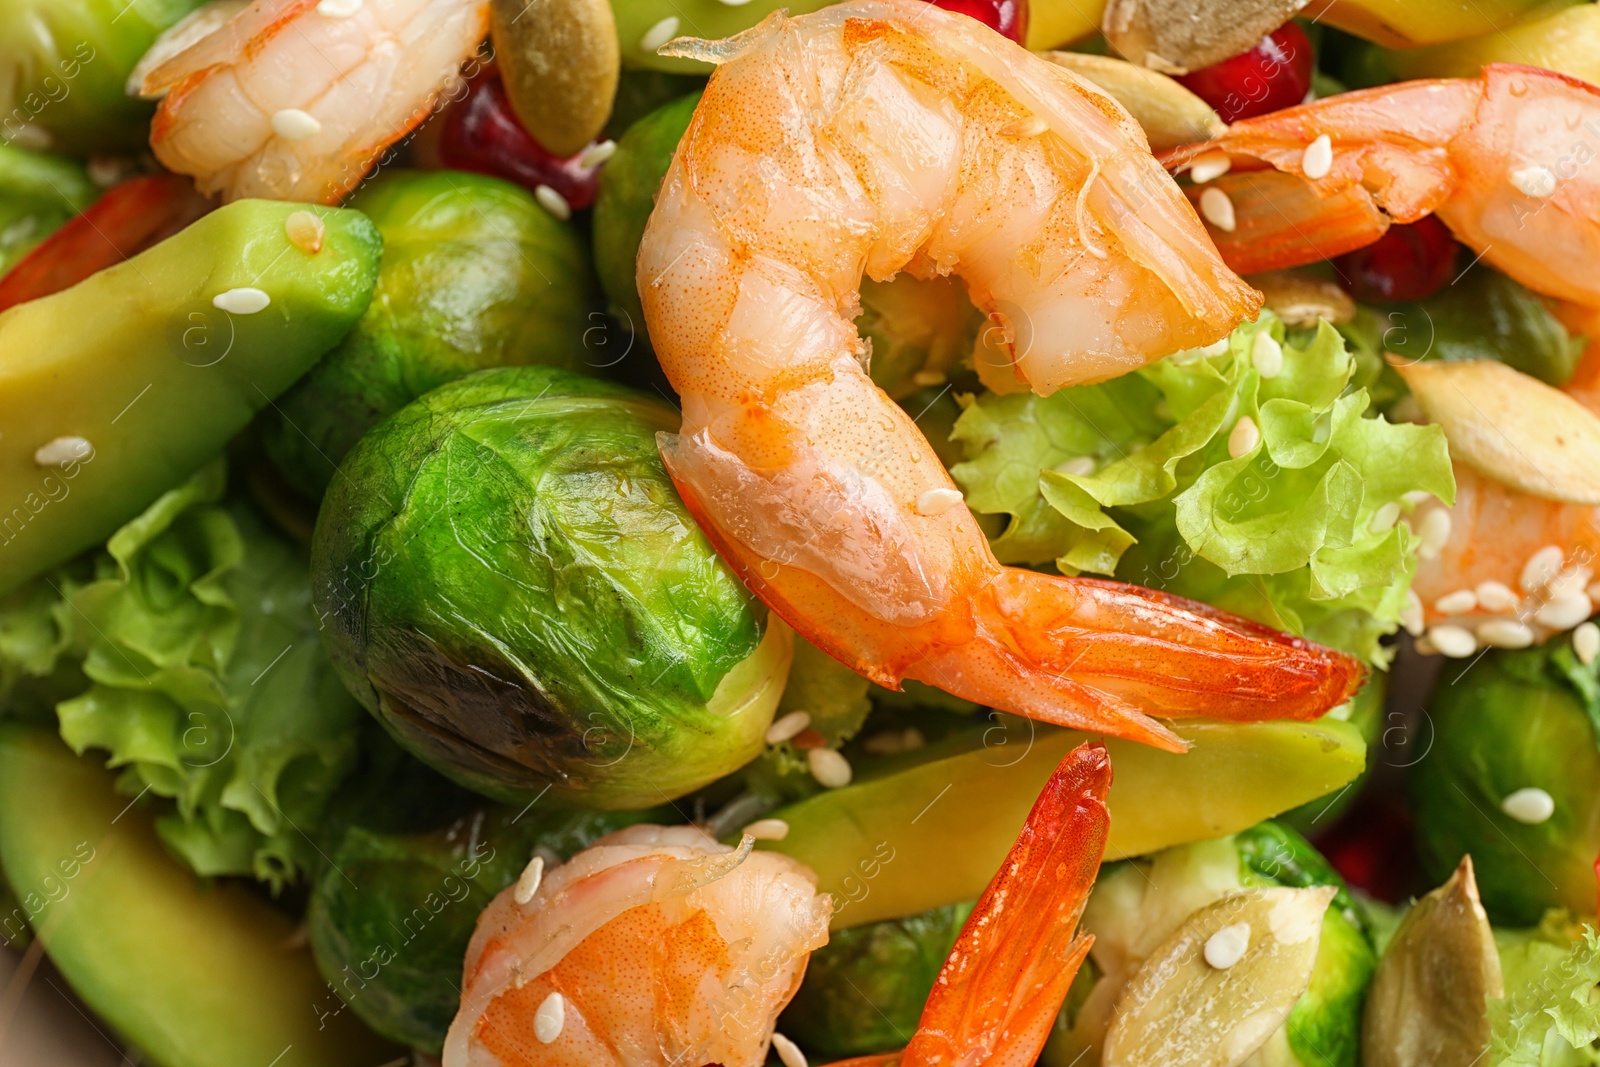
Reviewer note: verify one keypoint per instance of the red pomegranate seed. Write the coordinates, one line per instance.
(1407, 263)
(1273, 75)
(1009, 18)
(482, 134)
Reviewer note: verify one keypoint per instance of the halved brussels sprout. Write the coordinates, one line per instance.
(511, 584)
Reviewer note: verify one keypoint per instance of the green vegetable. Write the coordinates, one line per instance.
(475, 274)
(1512, 720)
(641, 91)
(196, 975)
(639, 22)
(511, 584)
(1550, 1016)
(1282, 534)
(1365, 712)
(135, 379)
(864, 990)
(207, 682)
(37, 194)
(64, 65)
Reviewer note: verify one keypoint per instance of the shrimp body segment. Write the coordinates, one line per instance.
(296, 100)
(655, 946)
(884, 135)
(1510, 161)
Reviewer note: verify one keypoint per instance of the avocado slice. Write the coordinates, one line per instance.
(119, 388)
(196, 976)
(934, 833)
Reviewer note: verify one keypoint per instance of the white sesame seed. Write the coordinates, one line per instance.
(1226, 947)
(1497, 597)
(736, 3)
(552, 202)
(1530, 805)
(894, 742)
(926, 378)
(1244, 437)
(600, 151)
(659, 34)
(1434, 533)
(1082, 466)
(1317, 160)
(788, 1051)
(1032, 126)
(305, 231)
(1215, 348)
(937, 501)
(1457, 603)
(1218, 209)
(292, 124)
(1594, 591)
(528, 881)
(1266, 354)
(1537, 182)
(1209, 166)
(60, 451)
(1564, 612)
(549, 1020)
(787, 727)
(244, 301)
(1384, 518)
(1542, 566)
(1416, 497)
(829, 768)
(1505, 633)
(338, 9)
(1411, 615)
(1456, 642)
(1586, 642)
(1572, 580)
(767, 830)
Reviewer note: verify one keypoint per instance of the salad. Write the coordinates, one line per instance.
(564, 533)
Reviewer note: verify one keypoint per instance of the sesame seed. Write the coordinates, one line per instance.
(106, 171)
(1416, 497)
(292, 124)
(1434, 533)
(245, 301)
(1457, 603)
(1586, 642)
(549, 1020)
(1572, 580)
(1209, 166)
(926, 378)
(305, 231)
(1505, 633)
(1244, 437)
(659, 34)
(60, 451)
(768, 830)
(1317, 160)
(1537, 182)
(1564, 612)
(829, 768)
(1226, 947)
(1384, 518)
(528, 881)
(1082, 466)
(553, 202)
(894, 742)
(1215, 348)
(599, 152)
(1455, 642)
(1032, 126)
(1266, 355)
(1497, 597)
(937, 501)
(1218, 209)
(1542, 566)
(1425, 646)
(1530, 805)
(1411, 615)
(788, 726)
(788, 1051)
(338, 9)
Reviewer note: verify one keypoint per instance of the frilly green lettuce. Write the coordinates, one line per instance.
(1134, 477)
(206, 680)
(1550, 1015)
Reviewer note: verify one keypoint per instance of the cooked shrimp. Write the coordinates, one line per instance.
(881, 135)
(1510, 161)
(655, 946)
(296, 99)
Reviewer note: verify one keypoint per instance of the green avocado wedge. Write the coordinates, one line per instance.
(119, 388)
(196, 976)
(886, 845)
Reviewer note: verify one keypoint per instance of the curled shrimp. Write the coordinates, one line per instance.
(655, 946)
(881, 135)
(296, 99)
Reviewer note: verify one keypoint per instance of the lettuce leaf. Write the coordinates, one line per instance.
(1133, 478)
(202, 676)
(1550, 1015)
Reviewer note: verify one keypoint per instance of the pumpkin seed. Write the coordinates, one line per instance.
(1301, 299)
(560, 60)
(1177, 36)
(1170, 114)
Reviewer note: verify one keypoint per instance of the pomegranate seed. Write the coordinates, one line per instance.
(1407, 263)
(1009, 18)
(1275, 74)
(482, 134)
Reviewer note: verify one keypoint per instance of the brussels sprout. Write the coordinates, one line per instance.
(640, 92)
(37, 194)
(1365, 712)
(511, 584)
(475, 274)
(864, 990)
(64, 65)
(1515, 722)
